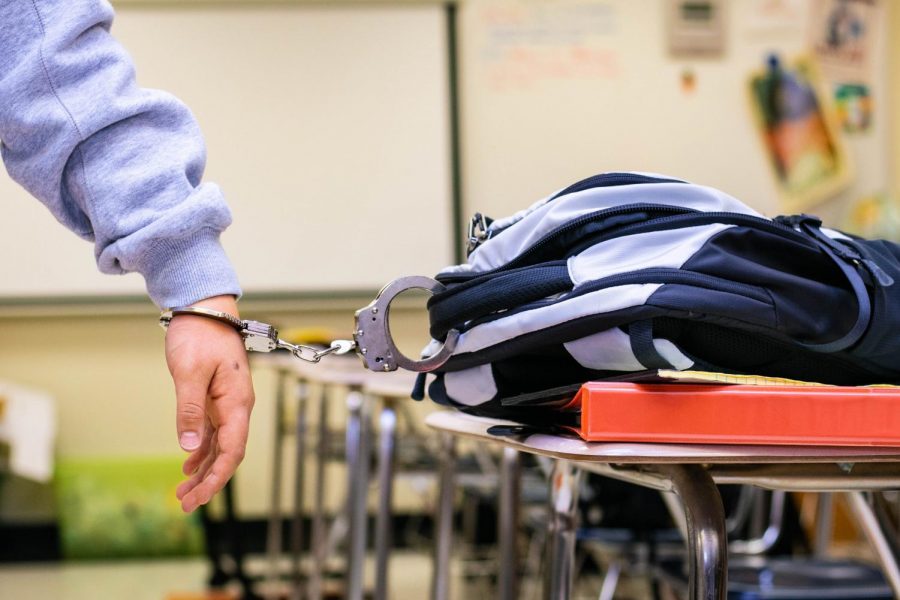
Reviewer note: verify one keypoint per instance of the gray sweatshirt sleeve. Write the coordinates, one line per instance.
(119, 165)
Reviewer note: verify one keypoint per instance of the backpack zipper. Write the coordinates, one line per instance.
(679, 218)
(671, 275)
(479, 225)
(651, 275)
(562, 230)
(613, 180)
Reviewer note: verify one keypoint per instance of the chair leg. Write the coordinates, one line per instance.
(357, 486)
(319, 533)
(559, 574)
(443, 537)
(212, 536)
(297, 533)
(273, 535)
(824, 516)
(867, 520)
(237, 544)
(610, 580)
(510, 476)
(387, 436)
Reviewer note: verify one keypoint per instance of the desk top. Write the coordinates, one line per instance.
(574, 448)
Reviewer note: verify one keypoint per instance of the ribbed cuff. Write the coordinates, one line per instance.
(185, 270)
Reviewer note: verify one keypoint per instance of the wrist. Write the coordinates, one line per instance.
(225, 303)
(217, 308)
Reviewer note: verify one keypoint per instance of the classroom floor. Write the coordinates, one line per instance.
(184, 579)
(135, 580)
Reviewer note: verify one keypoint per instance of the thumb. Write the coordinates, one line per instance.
(190, 415)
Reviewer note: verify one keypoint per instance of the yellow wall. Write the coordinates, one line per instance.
(894, 94)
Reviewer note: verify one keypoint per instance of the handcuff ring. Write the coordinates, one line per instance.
(372, 333)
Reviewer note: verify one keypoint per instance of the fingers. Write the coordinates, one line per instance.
(229, 406)
(207, 481)
(190, 415)
(206, 462)
(196, 458)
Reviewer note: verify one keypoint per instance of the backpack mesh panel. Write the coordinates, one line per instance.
(735, 351)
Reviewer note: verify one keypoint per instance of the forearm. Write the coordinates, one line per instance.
(117, 164)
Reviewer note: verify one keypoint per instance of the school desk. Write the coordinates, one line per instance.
(689, 471)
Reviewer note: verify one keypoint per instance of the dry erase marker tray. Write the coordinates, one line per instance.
(710, 413)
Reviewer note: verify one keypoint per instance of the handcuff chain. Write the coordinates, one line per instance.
(314, 355)
(372, 339)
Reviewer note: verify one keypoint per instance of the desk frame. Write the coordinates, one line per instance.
(690, 472)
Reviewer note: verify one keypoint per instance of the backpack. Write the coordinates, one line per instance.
(629, 272)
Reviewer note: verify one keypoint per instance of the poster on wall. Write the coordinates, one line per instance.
(775, 17)
(808, 158)
(523, 46)
(843, 33)
(853, 104)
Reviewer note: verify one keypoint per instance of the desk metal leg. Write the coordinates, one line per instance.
(707, 544)
(387, 434)
(866, 518)
(273, 536)
(443, 535)
(299, 476)
(824, 503)
(318, 517)
(357, 486)
(765, 542)
(565, 481)
(676, 511)
(510, 492)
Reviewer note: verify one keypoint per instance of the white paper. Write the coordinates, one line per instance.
(28, 426)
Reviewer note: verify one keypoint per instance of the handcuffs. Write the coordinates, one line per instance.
(371, 341)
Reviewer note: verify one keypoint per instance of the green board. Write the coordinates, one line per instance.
(123, 508)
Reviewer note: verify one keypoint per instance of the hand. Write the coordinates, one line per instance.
(214, 393)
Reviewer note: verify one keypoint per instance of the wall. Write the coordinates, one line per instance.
(894, 114)
(553, 92)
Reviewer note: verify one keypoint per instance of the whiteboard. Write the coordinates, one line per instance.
(327, 129)
(553, 92)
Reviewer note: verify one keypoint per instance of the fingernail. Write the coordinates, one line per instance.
(189, 440)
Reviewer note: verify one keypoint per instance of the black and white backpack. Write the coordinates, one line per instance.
(626, 272)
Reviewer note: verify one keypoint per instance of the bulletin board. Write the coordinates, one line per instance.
(553, 92)
(326, 126)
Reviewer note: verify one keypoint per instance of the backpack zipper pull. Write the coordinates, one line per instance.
(883, 279)
(478, 231)
(811, 225)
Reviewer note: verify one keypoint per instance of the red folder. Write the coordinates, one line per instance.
(739, 414)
